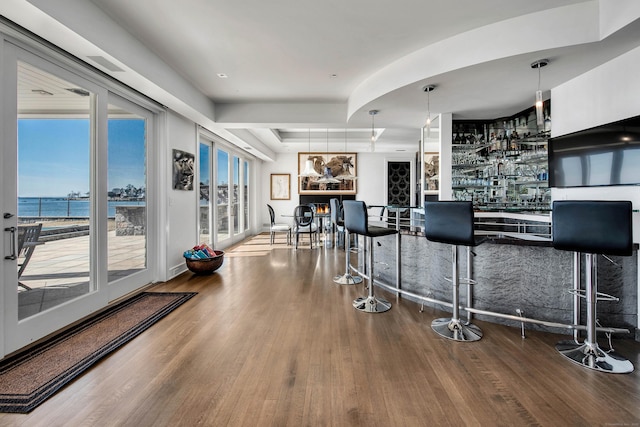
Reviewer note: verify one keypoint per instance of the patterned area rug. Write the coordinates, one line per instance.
(29, 378)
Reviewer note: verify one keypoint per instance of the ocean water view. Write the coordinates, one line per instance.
(60, 207)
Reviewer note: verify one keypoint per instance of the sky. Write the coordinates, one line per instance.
(53, 156)
(222, 163)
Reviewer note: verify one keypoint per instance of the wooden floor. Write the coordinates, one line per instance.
(270, 340)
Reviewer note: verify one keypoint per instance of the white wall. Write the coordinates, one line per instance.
(602, 95)
(285, 163)
(372, 177)
(181, 227)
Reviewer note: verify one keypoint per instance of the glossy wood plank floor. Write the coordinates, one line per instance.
(270, 340)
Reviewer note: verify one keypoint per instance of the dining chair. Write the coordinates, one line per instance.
(303, 217)
(278, 227)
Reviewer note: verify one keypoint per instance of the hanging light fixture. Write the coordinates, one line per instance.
(346, 174)
(373, 129)
(328, 178)
(428, 89)
(309, 171)
(539, 102)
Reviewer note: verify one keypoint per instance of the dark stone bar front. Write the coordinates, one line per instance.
(511, 274)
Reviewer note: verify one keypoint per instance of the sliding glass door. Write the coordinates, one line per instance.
(74, 197)
(223, 210)
(53, 189)
(128, 133)
(207, 197)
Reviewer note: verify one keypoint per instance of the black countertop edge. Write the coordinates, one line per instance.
(501, 240)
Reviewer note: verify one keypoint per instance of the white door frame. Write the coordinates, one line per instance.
(18, 333)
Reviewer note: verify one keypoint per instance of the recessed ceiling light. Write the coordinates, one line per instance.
(333, 76)
(41, 92)
(222, 75)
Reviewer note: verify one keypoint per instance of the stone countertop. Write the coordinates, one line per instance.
(501, 238)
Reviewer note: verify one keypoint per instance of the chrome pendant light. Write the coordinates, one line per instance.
(309, 171)
(539, 102)
(428, 89)
(373, 113)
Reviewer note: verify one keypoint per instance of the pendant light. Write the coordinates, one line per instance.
(428, 89)
(373, 129)
(346, 174)
(309, 171)
(539, 102)
(328, 178)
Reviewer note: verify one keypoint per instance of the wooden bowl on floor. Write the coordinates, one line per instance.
(205, 265)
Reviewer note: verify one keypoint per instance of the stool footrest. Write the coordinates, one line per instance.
(347, 279)
(599, 295)
(462, 281)
(455, 329)
(371, 304)
(590, 355)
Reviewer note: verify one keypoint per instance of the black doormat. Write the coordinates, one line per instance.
(27, 379)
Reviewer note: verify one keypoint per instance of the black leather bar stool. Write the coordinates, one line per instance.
(452, 222)
(356, 220)
(337, 217)
(591, 228)
(337, 222)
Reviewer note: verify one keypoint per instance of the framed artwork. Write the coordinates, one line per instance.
(183, 170)
(431, 173)
(341, 166)
(280, 186)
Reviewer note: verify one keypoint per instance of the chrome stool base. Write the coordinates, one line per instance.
(347, 279)
(593, 357)
(455, 329)
(371, 304)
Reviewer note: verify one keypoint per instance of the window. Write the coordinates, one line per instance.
(126, 193)
(54, 141)
(205, 214)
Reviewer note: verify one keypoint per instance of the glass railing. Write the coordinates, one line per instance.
(523, 225)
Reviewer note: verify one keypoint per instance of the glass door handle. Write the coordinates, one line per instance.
(13, 255)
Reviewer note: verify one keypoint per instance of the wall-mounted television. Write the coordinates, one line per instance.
(600, 156)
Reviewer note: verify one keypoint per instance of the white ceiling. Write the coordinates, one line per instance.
(295, 65)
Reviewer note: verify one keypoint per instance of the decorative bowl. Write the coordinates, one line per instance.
(205, 265)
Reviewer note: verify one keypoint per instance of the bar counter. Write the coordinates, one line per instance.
(518, 273)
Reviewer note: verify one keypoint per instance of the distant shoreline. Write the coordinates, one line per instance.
(110, 199)
(63, 207)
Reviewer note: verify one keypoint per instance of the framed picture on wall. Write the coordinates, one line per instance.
(280, 186)
(183, 170)
(431, 173)
(338, 173)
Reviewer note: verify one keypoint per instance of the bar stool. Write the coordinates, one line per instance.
(347, 278)
(356, 221)
(452, 222)
(337, 222)
(591, 228)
